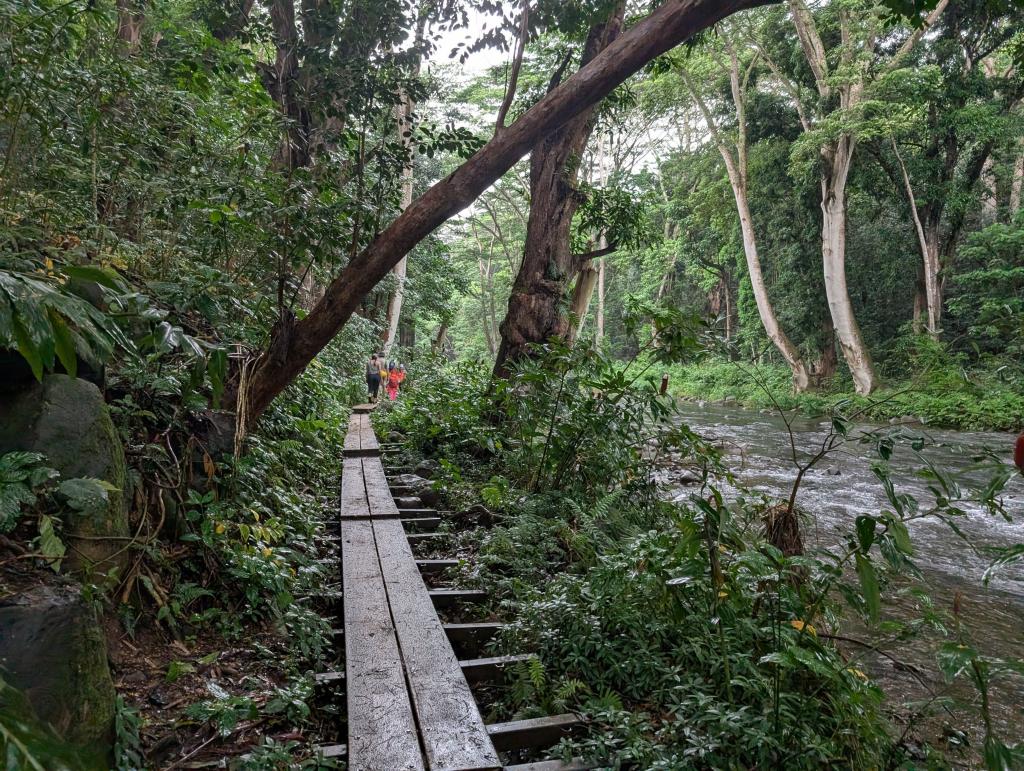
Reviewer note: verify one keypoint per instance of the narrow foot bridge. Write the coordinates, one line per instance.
(410, 698)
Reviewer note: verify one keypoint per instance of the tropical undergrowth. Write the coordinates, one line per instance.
(680, 629)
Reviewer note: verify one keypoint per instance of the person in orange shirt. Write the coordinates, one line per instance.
(396, 374)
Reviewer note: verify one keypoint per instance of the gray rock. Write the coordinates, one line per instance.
(420, 487)
(476, 515)
(686, 477)
(67, 420)
(53, 649)
(427, 468)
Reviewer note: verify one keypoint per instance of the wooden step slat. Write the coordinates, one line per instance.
(415, 538)
(412, 512)
(533, 733)
(445, 598)
(421, 524)
(336, 751)
(469, 638)
(433, 567)
(326, 678)
(576, 764)
(490, 669)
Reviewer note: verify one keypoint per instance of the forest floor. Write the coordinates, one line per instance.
(969, 401)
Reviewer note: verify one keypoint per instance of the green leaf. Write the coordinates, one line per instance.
(177, 669)
(866, 532)
(50, 544)
(27, 348)
(99, 275)
(63, 343)
(87, 496)
(869, 586)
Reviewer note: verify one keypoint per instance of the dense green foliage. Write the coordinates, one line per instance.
(687, 637)
(181, 181)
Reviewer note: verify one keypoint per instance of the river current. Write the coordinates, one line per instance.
(842, 486)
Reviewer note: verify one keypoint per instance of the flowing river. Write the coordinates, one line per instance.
(842, 485)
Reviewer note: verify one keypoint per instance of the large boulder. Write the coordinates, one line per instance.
(66, 419)
(53, 649)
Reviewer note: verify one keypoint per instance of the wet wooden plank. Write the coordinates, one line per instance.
(381, 726)
(352, 444)
(453, 732)
(382, 505)
(362, 409)
(490, 669)
(367, 438)
(353, 490)
(536, 732)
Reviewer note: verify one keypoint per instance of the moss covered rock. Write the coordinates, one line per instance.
(52, 648)
(67, 420)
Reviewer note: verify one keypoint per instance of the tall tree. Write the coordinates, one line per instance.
(536, 305)
(294, 343)
(959, 102)
(839, 82)
(725, 55)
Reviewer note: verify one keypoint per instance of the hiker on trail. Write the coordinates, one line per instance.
(395, 378)
(373, 377)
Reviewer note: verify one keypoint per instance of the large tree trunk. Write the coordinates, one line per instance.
(535, 306)
(599, 328)
(130, 16)
(833, 253)
(1017, 183)
(293, 345)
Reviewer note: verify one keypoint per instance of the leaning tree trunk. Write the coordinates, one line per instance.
(536, 305)
(772, 327)
(293, 344)
(833, 253)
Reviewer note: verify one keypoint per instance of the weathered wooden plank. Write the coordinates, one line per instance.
(432, 567)
(353, 490)
(420, 512)
(445, 598)
(377, 494)
(381, 726)
(536, 732)
(467, 639)
(367, 437)
(453, 732)
(352, 444)
(421, 524)
(362, 409)
(490, 669)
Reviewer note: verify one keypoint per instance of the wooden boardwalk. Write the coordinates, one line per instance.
(409, 700)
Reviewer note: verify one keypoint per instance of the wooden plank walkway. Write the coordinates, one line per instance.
(409, 703)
